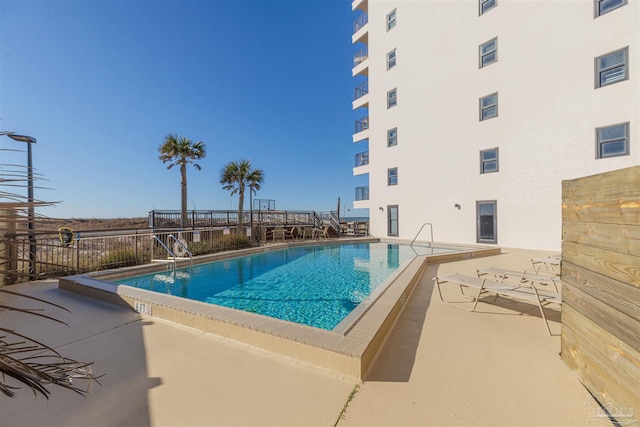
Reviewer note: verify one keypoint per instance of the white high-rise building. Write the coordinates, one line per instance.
(474, 111)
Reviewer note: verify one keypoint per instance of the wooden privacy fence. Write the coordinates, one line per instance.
(601, 286)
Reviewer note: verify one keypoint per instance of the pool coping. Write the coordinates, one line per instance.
(350, 351)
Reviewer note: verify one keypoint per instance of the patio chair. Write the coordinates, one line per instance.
(318, 233)
(526, 276)
(288, 234)
(484, 285)
(549, 263)
(308, 233)
(278, 233)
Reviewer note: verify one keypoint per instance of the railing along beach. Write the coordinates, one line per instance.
(69, 252)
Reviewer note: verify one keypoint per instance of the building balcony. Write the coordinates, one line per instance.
(362, 159)
(362, 193)
(362, 124)
(361, 164)
(361, 29)
(360, 22)
(361, 90)
(360, 5)
(361, 129)
(360, 56)
(361, 96)
(360, 63)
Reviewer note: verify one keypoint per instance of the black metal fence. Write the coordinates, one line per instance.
(220, 218)
(56, 255)
(70, 252)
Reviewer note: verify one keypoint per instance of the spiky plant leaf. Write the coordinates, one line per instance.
(31, 363)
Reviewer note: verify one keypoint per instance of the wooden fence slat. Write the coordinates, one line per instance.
(622, 267)
(610, 347)
(620, 296)
(601, 283)
(619, 184)
(613, 237)
(615, 322)
(622, 210)
(585, 344)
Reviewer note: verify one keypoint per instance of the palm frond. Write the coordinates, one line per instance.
(25, 361)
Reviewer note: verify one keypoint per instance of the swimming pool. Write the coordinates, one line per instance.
(348, 349)
(317, 286)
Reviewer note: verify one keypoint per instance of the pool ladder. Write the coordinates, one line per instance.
(171, 253)
(419, 231)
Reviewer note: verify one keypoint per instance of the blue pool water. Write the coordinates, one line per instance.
(313, 285)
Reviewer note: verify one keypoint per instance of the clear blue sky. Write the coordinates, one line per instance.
(100, 84)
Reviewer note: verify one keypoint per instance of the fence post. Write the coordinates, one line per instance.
(77, 255)
(8, 253)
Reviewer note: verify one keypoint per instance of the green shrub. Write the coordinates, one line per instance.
(201, 248)
(232, 242)
(119, 258)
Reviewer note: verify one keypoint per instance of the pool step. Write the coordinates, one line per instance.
(169, 260)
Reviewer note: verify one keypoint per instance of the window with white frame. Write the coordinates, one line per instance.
(391, 59)
(612, 67)
(392, 137)
(391, 19)
(486, 5)
(392, 98)
(488, 52)
(612, 141)
(489, 106)
(603, 6)
(392, 176)
(489, 160)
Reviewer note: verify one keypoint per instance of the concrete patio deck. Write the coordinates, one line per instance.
(440, 367)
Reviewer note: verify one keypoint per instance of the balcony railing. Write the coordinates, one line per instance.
(360, 22)
(362, 124)
(361, 90)
(360, 56)
(362, 193)
(362, 159)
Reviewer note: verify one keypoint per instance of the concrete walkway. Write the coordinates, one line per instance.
(440, 367)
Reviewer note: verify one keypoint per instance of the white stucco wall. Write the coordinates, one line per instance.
(548, 112)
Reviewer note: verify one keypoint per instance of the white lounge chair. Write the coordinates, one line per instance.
(526, 276)
(484, 285)
(549, 263)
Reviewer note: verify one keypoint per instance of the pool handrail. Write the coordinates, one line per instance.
(419, 231)
(183, 246)
(167, 249)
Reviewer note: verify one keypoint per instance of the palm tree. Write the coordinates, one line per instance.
(181, 151)
(237, 176)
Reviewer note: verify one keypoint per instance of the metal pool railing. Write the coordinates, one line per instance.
(102, 250)
(68, 252)
(419, 231)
